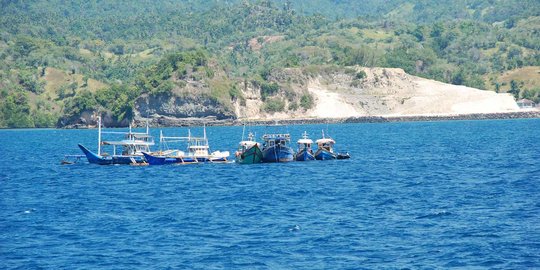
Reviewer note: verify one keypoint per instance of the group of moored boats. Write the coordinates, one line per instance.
(135, 150)
(275, 148)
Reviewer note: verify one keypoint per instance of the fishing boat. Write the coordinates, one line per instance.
(276, 149)
(197, 151)
(249, 151)
(305, 152)
(325, 150)
(132, 147)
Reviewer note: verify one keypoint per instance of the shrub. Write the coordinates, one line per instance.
(268, 89)
(234, 92)
(306, 101)
(361, 75)
(274, 105)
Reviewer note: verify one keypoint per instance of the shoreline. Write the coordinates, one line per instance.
(174, 122)
(211, 121)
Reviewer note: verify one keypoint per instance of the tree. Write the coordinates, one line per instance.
(514, 89)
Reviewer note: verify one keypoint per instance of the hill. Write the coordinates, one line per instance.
(60, 59)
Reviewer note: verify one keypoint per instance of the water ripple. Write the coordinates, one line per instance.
(414, 195)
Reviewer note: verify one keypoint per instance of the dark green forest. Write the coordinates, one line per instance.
(60, 58)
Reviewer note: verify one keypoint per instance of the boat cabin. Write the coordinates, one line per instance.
(133, 144)
(304, 143)
(198, 147)
(271, 140)
(326, 144)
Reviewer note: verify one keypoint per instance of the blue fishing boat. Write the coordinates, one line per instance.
(155, 159)
(305, 152)
(197, 151)
(276, 149)
(132, 147)
(325, 150)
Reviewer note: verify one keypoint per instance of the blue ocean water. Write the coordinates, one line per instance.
(462, 194)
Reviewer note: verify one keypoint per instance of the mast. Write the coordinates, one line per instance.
(147, 128)
(204, 130)
(99, 136)
(243, 131)
(161, 140)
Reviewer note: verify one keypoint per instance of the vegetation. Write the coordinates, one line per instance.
(115, 51)
(274, 105)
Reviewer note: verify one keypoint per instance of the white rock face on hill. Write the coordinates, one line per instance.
(387, 91)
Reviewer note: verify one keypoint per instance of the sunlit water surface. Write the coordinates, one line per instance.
(413, 195)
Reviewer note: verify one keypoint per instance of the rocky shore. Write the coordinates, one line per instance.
(173, 122)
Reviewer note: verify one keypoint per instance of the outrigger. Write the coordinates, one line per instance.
(132, 147)
(198, 151)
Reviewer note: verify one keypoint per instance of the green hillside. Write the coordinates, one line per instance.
(60, 58)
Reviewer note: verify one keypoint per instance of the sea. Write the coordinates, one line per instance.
(414, 195)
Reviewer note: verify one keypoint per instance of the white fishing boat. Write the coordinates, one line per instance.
(198, 150)
(131, 147)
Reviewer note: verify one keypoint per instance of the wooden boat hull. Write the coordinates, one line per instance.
(211, 159)
(324, 155)
(252, 155)
(304, 155)
(94, 158)
(164, 160)
(278, 153)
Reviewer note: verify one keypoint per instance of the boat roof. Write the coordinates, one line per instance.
(198, 146)
(325, 140)
(248, 143)
(301, 141)
(128, 142)
(285, 136)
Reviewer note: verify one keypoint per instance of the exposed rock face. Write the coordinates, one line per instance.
(88, 119)
(387, 91)
(164, 105)
(337, 93)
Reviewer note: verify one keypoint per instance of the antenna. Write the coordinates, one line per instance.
(204, 130)
(327, 132)
(243, 131)
(147, 128)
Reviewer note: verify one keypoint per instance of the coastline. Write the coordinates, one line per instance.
(173, 122)
(211, 121)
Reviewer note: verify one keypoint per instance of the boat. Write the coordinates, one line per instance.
(197, 151)
(305, 152)
(132, 147)
(325, 150)
(276, 149)
(249, 151)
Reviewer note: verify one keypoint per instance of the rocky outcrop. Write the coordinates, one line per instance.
(172, 106)
(89, 119)
(338, 93)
